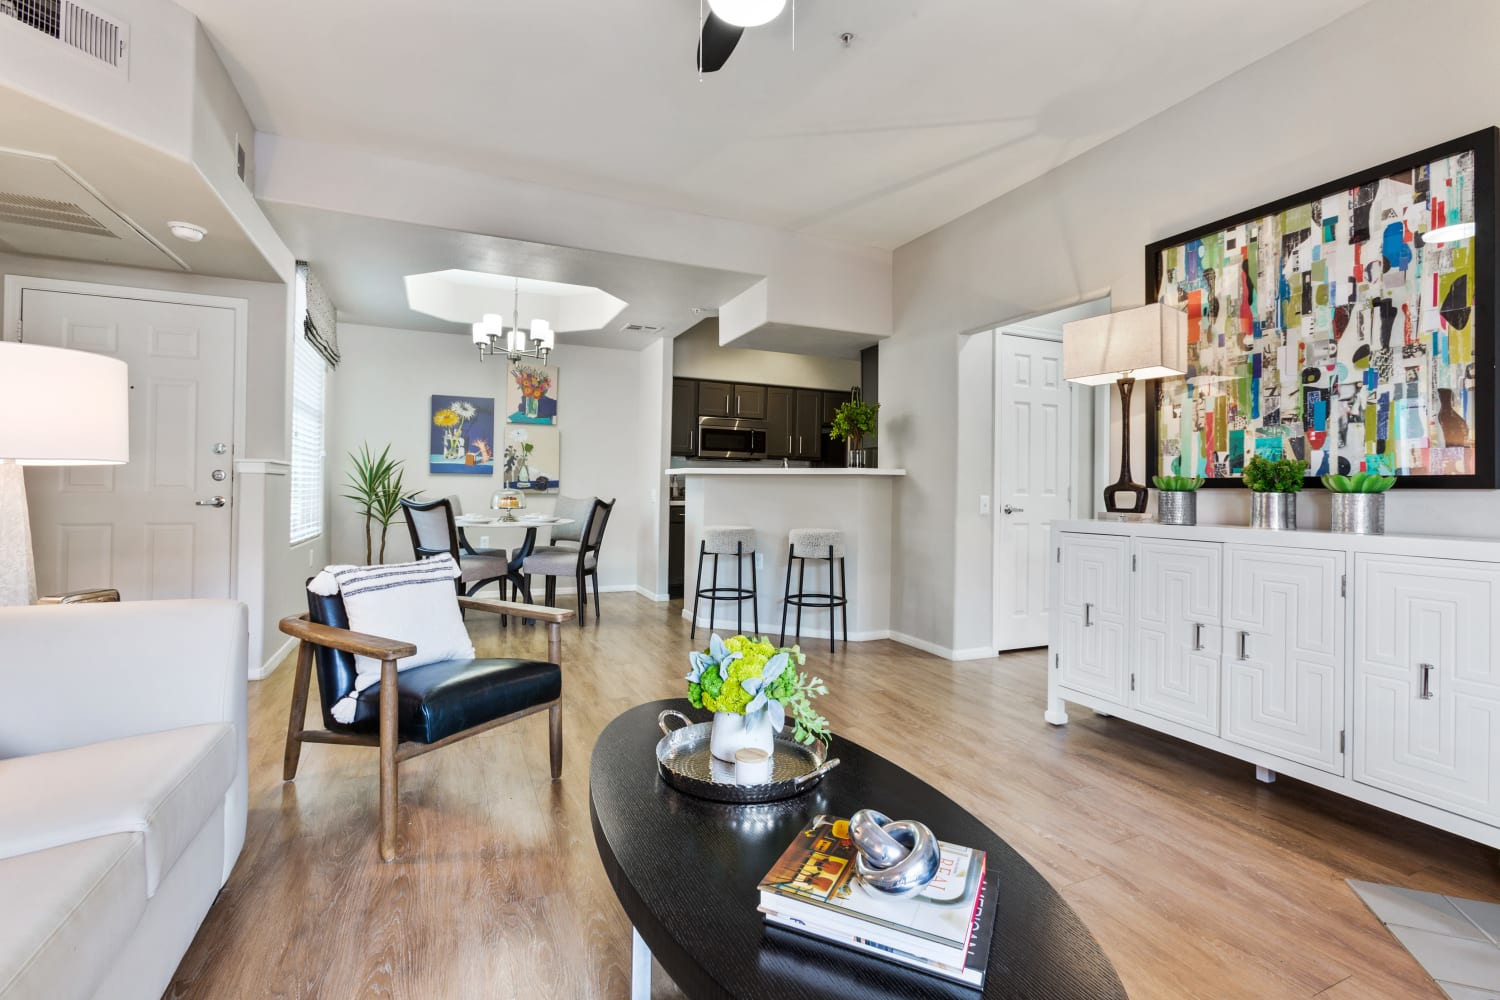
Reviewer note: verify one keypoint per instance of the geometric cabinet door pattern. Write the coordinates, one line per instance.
(1092, 614)
(1284, 652)
(1426, 681)
(139, 527)
(1177, 633)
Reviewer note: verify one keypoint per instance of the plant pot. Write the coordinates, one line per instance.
(731, 732)
(1276, 511)
(854, 454)
(1179, 507)
(1359, 513)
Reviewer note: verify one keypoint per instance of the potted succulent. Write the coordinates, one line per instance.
(1177, 499)
(1274, 484)
(851, 422)
(752, 687)
(1359, 502)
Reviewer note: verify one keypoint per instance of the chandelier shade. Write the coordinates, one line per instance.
(747, 13)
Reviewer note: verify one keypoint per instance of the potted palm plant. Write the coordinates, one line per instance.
(375, 485)
(1359, 502)
(851, 422)
(1274, 484)
(1177, 499)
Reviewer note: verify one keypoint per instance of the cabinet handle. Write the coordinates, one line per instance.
(1425, 693)
(1244, 644)
(789, 443)
(1088, 615)
(799, 444)
(1197, 637)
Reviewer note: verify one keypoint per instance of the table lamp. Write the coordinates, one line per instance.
(1145, 343)
(57, 407)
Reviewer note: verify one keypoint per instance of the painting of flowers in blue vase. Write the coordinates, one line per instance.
(462, 435)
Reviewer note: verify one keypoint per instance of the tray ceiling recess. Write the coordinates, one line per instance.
(46, 210)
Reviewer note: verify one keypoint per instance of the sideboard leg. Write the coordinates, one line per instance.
(1264, 774)
(640, 967)
(1057, 711)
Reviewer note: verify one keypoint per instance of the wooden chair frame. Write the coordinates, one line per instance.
(393, 750)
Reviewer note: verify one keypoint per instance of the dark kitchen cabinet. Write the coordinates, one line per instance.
(676, 548)
(750, 402)
(807, 425)
(715, 399)
(831, 403)
(684, 416)
(781, 418)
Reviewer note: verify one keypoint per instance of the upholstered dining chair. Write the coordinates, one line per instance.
(580, 561)
(423, 708)
(434, 530)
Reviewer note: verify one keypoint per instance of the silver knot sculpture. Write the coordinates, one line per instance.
(897, 857)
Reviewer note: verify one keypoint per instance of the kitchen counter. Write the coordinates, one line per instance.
(857, 502)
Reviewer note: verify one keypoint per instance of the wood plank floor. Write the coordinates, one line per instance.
(1197, 881)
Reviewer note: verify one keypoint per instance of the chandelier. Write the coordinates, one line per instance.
(536, 341)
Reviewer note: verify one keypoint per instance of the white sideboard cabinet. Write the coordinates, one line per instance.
(1366, 665)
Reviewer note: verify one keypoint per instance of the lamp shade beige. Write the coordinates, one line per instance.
(62, 407)
(1148, 342)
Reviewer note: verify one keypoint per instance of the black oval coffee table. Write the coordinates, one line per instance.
(685, 870)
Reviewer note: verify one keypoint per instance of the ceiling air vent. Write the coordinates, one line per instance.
(82, 28)
(640, 328)
(25, 210)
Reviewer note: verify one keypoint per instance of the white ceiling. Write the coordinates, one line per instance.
(362, 263)
(937, 107)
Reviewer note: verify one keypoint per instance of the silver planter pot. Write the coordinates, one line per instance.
(1359, 513)
(1276, 511)
(1178, 507)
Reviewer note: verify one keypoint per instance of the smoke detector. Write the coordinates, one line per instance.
(187, 231)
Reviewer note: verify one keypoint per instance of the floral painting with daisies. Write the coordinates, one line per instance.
(461, 435)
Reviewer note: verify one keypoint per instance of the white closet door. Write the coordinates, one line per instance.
(1093, 611)
(1177, 632)
(1284, 652)
(1426, 681)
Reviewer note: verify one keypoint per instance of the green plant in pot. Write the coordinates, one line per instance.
(1359, 502)
(1274, 485)
(851, 422)
(375, 485)
(1177, 499)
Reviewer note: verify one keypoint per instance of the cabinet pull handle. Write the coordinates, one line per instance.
(1425, 693)
(1088, 615)
(1197, 637)
(799, 444)
(1244, 645)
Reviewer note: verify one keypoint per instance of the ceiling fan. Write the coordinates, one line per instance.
(726, 22)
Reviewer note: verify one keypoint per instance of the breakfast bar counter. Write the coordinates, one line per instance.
(774, 501)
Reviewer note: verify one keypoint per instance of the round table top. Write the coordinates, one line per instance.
(686, 870)
(498, 521)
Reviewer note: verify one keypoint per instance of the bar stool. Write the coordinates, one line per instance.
(725, 540)
(819, 544)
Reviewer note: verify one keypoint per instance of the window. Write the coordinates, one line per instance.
(308, 373)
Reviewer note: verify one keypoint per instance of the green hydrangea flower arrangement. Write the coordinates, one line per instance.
(747, 676)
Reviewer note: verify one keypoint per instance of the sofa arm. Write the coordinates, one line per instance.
(75, 674)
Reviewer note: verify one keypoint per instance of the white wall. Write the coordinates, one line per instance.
(697, 354)
(654, 431)
(1080, 231)
(383, 391)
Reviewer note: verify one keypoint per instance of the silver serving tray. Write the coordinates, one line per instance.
(684, 762)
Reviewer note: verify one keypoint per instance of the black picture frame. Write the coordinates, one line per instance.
(1485, 145)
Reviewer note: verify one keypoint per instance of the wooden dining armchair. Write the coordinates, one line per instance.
(419, 709)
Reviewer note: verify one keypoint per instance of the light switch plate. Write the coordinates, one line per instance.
(984, 504)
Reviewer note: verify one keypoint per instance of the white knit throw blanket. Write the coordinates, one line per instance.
(413, 602)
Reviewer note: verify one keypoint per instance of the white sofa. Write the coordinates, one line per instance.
(122, 790)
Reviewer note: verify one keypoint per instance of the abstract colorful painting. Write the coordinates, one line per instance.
(461, 435)
(1327, 329)
(533, 459)
(531, 394)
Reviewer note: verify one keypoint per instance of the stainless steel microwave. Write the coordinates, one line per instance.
(730, 437)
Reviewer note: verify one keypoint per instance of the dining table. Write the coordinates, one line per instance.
(498, 521)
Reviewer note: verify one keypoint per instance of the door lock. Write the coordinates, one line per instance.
(220, 448)
(1013, 510)
(218, 475)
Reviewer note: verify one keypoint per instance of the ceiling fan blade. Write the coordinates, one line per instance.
(717, 43)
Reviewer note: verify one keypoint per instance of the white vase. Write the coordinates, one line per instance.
(731, 733)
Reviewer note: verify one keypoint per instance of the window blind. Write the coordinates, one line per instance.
(308, 373)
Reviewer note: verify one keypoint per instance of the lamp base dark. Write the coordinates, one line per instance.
(1125, 498)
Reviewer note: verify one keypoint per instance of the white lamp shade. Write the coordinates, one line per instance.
(61, 407)
(541, 333)
(1148, 342)
(515, 341)
(481, 334)
(747, 13)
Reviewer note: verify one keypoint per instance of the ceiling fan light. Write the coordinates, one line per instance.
(747, 13)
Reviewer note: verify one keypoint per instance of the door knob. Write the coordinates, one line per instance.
(1013, 510)
(212, 502)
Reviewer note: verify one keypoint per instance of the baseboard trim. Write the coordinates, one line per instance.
(268, 668)
(726, 625)
(975, 653)
(658, 598)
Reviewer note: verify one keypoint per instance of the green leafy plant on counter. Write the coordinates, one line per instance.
(1177, 484)
(375, 485)
(1281, 475)
(853, 420)
(1360, 482)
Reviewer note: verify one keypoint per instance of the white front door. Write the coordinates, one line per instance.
(145, 528)
(1033, 482)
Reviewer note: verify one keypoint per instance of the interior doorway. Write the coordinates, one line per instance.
(1044, 467)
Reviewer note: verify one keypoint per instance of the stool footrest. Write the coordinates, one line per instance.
(810, 600)
(727, 594)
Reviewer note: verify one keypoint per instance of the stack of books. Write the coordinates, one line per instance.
(944, 929)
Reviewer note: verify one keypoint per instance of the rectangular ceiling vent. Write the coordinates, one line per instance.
(26, 210)
(94, 34)
(640, 328)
